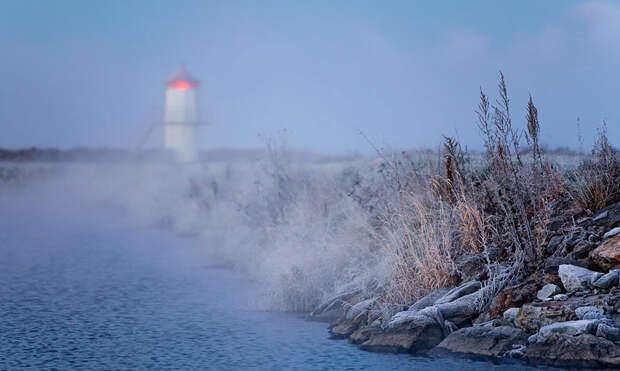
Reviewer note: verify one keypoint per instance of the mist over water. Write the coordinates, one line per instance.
(103, 267)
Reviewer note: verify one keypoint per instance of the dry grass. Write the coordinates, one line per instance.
(596, 182)
(418, 242)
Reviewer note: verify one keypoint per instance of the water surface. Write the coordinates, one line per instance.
(83, 289)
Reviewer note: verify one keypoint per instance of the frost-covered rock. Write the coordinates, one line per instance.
(517, 351)
(589, 312)
(360, 308)
(407, 332)
(429, 299)
(481, 341)
(334, 307)
(533, 316)
(462, 309)
(402, 317)
(458, 292)
(548, 291)
(511, 314)
(575, 351)
(608, 332)
(576, 278)
(573, 328)
(613, 232)
(608, 280)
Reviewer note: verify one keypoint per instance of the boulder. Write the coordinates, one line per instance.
(429, 299)
(572, 328)
(608, 217)
(532, 317)
(600, 216)
(548, 291)
(511, 314)
(462, 309)
(364, 333)
(552, 263)
(481, 341)
(356, 317)
(589, 312)
(334, 307)
(457, 292)
(576, 278)
(575, 351)
(581, 250)
(608, 280)
(607, 256)
(608, 332)
(553, 244)
(409, 333)
(513, 296)
(343, 329)
(613, 232)
(360, 308)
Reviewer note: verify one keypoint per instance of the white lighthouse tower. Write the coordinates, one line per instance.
(181, 116)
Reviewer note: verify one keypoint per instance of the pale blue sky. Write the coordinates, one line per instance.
(90, 73)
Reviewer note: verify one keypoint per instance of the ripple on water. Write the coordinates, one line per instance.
(119, 298)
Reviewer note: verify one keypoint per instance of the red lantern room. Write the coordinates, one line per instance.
(181, 80)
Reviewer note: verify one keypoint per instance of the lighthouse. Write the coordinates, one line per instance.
(181, 116)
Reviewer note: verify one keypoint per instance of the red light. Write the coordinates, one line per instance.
(182, 85)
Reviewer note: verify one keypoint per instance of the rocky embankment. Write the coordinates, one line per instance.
(567, 313)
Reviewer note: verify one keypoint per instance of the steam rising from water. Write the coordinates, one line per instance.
(289, 226)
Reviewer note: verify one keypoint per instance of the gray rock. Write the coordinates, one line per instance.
(612, 233)
(608, 280)
(360, 308)
(344, 328)
(595, 278)
(573, 328)
(608, 332)
(589, 312)
(461, 309)
(548, 291)
(433, 313)
(532, 317)
(575, 351)
(333, 308)
(387, 312)
(581, 293)
(449, 326)
(409, 332)
(560, 297)
(517, 351)
(481, 341)
(429, 299)
(553, 244)
(363, 334)
(609, 217)
(600, 216)
(402, 317)
(576, 278)
(511, 314)
(455, 293)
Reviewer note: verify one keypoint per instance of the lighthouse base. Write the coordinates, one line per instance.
(181, 140)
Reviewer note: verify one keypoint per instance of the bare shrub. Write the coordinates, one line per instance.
(491, 213)
(596, 182)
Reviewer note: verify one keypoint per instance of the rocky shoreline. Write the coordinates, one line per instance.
(565, 314)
